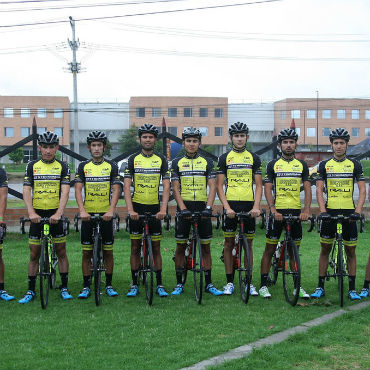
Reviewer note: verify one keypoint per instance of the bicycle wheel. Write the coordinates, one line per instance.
(245, 269)
(97, 268)
(187, 260)
(274, 269)
(45, 277)
(53, 267)
(148, 270)
(340, 270)
(197, 268)
(291, 272)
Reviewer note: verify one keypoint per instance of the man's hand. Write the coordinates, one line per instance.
(133, 215)
(355, 216)
(34, 217)
(108, 216)
(54, 219)
(85, 216)
(230, 213)
(207, 213)
(255, 212)
(185, 213)
(304, 216)
(161, 215)
(278, 216)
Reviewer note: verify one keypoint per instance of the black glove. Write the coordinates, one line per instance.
(355, 216)
(185, 213)
(207, 212)
(324, 216)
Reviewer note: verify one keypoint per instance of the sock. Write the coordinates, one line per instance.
(87, 281)
(321, 282)
(264, 279)
(366, 284)
(230, 278)
(32, 283)
(352, 282)
(64, 278)
(108, 279)
(159, 277)
(208, 277)
(1, 286)
(179, 276)
(134, 274)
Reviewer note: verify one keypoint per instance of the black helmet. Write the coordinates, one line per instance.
(97, 136)
(191, 132)
(287, 133)
(339, 133)
(48, 137)
(238, 128)
(148, 128)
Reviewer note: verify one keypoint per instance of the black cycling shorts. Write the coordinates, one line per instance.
(107, 234)
(155, 226)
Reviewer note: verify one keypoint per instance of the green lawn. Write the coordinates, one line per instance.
(175, 332)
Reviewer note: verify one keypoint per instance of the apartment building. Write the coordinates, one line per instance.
(208, 114)
(315, 118)
(18, 112)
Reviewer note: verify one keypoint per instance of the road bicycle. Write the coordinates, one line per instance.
(287, 261)
(337, 267)
(48, 261)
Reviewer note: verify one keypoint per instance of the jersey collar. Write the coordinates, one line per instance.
(147, 155)
(286, 159)
(97, 163)
(193, 157)
(340, 160)
(49, 161)
(241, 150)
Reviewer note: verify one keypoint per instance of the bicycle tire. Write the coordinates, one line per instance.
(274, 269)
(148, 270)
(198, 269)
(291, 272)
(45, 277)
(186, 259)
(97, 251)
(340, 271)
(53, 264)
(244, 269)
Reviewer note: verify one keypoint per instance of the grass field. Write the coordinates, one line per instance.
(175, 332)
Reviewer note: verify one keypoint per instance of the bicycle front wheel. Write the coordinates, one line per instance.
(148, 270)
(274, 269)
(97, 268)
(340, 270)
(291, 272)
(244, 269)
(53, 268)
(45, 277)
(198, 269)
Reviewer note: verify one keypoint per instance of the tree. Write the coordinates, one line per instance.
(108, 149)
(17, 155)
(128, 140)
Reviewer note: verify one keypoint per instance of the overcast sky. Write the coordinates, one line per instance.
(251, 52)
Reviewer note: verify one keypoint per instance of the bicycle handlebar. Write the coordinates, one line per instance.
(345, 218)
(291, 218)
(43, 220)
(95, 217)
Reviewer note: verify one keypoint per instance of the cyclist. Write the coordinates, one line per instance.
(45, 192)
(237, 169)
(100, 177)
(283, 180)
(337, 175)
(190, 176)
(144, 171)
(3, 199)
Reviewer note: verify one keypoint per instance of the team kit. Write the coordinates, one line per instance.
(195, 181)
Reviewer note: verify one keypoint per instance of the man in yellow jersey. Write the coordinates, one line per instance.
(283, 180)
(190, 176)
(100, 178)
(45, 193)
(337, 176)
(144, 171)
(237, 170)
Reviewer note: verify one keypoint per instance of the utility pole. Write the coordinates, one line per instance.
(74, 68)
(317, 120)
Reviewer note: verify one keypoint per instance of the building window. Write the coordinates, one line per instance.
(156, 112)
(311, 131)
(311, 114)
(219, 131)
(58, 113)
(367, 131)
(41, 112)
(25, 131)
(341, 114)
(41, 130)
(282, 115)
(296, 113)
(219, 112)
(355, 131)
(326, 131)
(203, 112)
(326, 114)
(298, 131)
(140, 112)
(28, 153)
(25, 112)
(355, 114)
(8, 112)
(203, 131)
(367, 114)
(9, 131)
(172, 112)
(59, 131)
(188, 112)
(172, 130)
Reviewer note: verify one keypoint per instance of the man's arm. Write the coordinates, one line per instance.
(81, 209)
(307, 201)
(361, 196)
(113, 202)
(320, 195)
(165, 198)
(128, 199)
(62, 204)
(27, 197)
(222, 196)
(255, 211)
(3, 201)
(177, 194)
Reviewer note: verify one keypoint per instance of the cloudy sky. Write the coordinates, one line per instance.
(248, 51)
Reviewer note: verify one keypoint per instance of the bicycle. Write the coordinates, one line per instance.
(286, 260)
(48, 258)
(337, 259)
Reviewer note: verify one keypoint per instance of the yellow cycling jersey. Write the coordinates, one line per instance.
(46, 179)
(287, 176)
(146, 172)
(239, 168)
(98, 179)
(339, 177)
(193, 174)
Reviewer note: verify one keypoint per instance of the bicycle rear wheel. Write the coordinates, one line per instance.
(97, 268)
(197, 267)
(274, 269)
(245, 269)
(340, 270)
(53, 265)
(291, 272)
(148, 269)
(45, 277)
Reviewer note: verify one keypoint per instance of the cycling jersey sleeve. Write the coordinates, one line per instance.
(164, 169)
(80, 174)
(3, 179)
(257, 165)
(270, 174)
(28, 176)
(321, 171)
(175, 170)
(115, 178)
(130, 169)
(358, 172)
(221, 165)
(210, 170)
(305, 172)
(65, 176)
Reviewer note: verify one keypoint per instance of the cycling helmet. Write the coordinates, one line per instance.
(97, 136)
(191, 132)
(339, 133)
(148, 128)
(287, 133)
(48, 137)
(238, 128)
